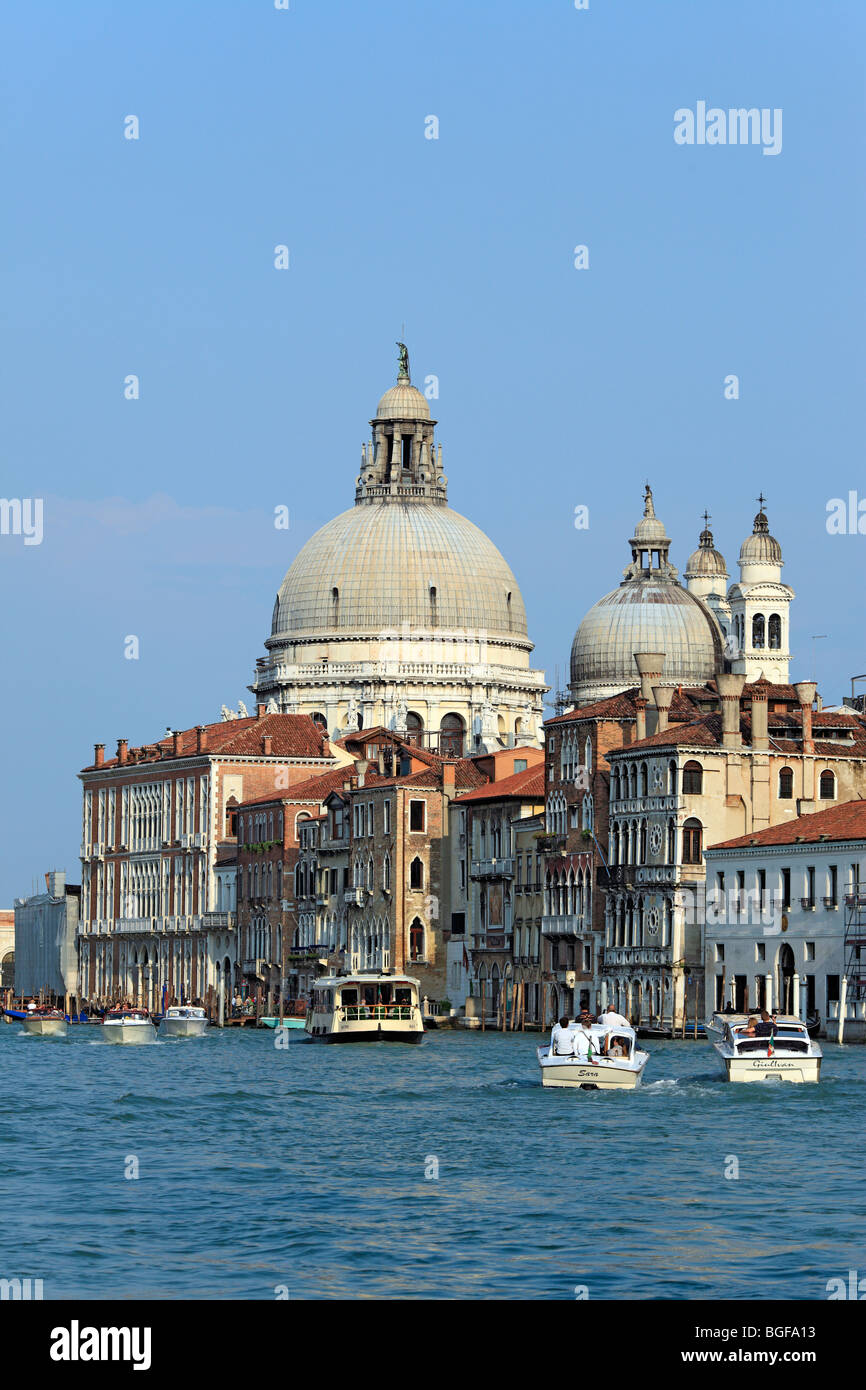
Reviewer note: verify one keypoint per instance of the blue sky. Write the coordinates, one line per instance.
(558, 387)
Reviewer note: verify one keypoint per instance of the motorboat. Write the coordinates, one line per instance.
(44, 1022)
(788, 1054)
(183, 1021)
(369, 1006)
(615, 1061)
(715, 1026)
(128, 1026)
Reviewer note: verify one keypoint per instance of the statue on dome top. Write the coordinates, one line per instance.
(403, 373)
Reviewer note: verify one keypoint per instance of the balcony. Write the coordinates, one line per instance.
(217, 921)
(492, 868)
(137, 925)
(255, 969)
(354, 897)
(635, 955)
(807, 904)
(560, 925)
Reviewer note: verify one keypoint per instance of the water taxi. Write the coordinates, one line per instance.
(128, 1026)
(183, 1021)
(617, 1063)
(369, 1006)
(789, 1054)
(44, 1022)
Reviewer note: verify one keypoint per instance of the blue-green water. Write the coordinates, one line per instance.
(312, 1168)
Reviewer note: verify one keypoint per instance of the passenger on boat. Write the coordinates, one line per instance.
(766, 1027)
(560, 1038)
(750, 1030)
(585, 1017)
(582, 1044)
(610, 1018)
(618, 1047)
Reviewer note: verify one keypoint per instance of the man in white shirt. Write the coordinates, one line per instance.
(611, 1019)
(560, 1038)
(582, 1044)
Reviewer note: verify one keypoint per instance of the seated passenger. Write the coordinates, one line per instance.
(618, 1047)
(749, 1030)
(765, 1028)
(582, 1044)
(560, 1038)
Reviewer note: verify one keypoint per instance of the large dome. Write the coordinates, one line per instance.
(382, 565)
(643, 616)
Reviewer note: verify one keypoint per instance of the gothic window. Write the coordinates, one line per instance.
(416, 874)
(416, 939)
(693, 779)
(644, 786)
(672, 778)
(774, 632)
(672, 842)
(587, 754)
(692, 842)
(758, 631)
(828, 786)
(786, 784)
(386, 873)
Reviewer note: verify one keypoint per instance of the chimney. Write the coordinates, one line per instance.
(99, 754)
(663, 695)
(381, 761)
(56, 883)
(267, 745)
(448, 778)
(361, 768)
(640, 717)
(123, 750)
(326, 746)
(261, 711)
(730, 689)
(175, 743)
(201, 739)
(650, 666)
(806, 692)
(760, 737)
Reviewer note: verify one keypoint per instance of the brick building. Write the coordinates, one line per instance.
(156, 820)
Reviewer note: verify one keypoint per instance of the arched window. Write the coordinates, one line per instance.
(692, 842)
(319, 719)
(642, 851)
(632, 779)
(416, 874)
(786, 784)
(828, 786)
(774, 631)
(672, 778)
(414, 727)
(587, 754)
(644, 781)
(280, 881)
(416, 939)
(451, 734)
(693, 778)
(758, 631)
(386, 873)
(231, 827)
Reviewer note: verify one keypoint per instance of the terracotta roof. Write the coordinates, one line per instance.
(684, 705)
(292, 736)
(312, 789)
(525, 785)
(845, 822)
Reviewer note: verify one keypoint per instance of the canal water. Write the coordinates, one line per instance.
(225, 1167)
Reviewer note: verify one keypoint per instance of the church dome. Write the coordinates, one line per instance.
(760, 548)
(403, 402)
(379, 566)
(642, 616)
(649, 612)
(706, 562)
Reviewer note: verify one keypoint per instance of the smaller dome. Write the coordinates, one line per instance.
(649, 529)
(761, 548)
(706, 562)
(403, 402)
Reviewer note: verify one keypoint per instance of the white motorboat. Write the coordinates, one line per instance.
(128, 1026)
(45, 1023)
(368, 1006)
(183, 1021)
(615, 1063)
(788, 1054)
